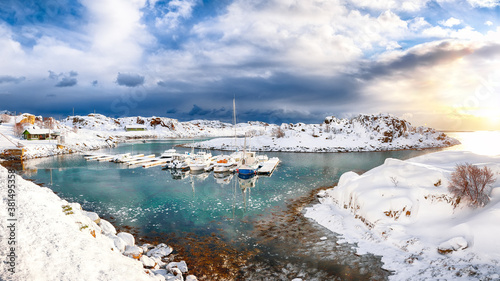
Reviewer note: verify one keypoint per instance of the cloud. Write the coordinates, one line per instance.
(11, 79)
(177, 10)
(484, 3)
(450, 22)
(67, 82)
(129, 79)
(64, 79)
(488, 23)
(409, 6)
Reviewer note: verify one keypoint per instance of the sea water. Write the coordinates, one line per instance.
(158, 201)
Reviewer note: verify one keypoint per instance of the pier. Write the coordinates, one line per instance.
(268, 166)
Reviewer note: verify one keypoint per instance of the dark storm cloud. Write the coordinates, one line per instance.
(440, 54)
(11, 79)
(67, 82)
(129, 79)
(64, 79)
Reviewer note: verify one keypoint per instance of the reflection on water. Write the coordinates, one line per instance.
(482, 142)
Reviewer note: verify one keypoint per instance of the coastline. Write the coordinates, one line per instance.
(57, 240)
(363, 209)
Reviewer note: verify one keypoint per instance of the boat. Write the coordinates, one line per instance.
(200, 161)
(223, 163)
(249, 164)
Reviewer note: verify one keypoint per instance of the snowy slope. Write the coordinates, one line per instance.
(403, 211)
(362, 133)
(56, 240)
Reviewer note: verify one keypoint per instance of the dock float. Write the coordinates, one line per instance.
(155, 162)
(268, 166)
(140, 160)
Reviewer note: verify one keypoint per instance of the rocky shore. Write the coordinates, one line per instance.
(57, 240)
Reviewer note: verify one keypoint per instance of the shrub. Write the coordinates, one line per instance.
(4, 118)
(278, 132)
(472, 184)
(18, 129)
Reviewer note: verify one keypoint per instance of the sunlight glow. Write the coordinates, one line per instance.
(483, 142)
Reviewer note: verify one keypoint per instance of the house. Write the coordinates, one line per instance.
(130, 128)
(40, 134)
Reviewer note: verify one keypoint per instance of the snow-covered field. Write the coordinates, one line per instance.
(402, 210)
(362, 133)
(56, 240)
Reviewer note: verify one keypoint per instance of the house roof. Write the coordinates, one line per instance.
(135, 127)
(38, 131)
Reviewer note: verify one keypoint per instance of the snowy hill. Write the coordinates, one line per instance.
(362, 133)
(403, 211)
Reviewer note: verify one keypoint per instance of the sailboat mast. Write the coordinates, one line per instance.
(234, 119)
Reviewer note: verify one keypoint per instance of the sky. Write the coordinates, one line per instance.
(434, 63)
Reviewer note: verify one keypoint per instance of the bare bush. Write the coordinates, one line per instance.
(278, 133)
(472, 184)
(18, 129)
(49, 123)
(4, 118)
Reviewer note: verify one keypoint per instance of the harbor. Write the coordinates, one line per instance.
(245, 163)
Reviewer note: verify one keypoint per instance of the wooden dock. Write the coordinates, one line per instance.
(140, 160)
(154, 162)
(268, 166)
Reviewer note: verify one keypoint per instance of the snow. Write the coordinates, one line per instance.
(362, 133)
(56, 240)
(402, 210)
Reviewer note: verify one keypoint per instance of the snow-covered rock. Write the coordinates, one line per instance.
(147, 261)
(161, 250)
(182, 266)
(93, 216)
(119, 243)
(107, 227)
(454, 244)
(134, 252)
(127, 238)
(191, 278)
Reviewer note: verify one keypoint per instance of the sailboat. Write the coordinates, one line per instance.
(249, 164)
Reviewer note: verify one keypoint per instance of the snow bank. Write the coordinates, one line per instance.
(56, 240)
(403, 211)
(363, 133)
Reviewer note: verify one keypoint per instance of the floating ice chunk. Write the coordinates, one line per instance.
(127, 237)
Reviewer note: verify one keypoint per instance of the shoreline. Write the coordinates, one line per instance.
(49, 226)
(359, 209)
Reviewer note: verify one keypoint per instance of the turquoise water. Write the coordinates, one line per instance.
(155, 201)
